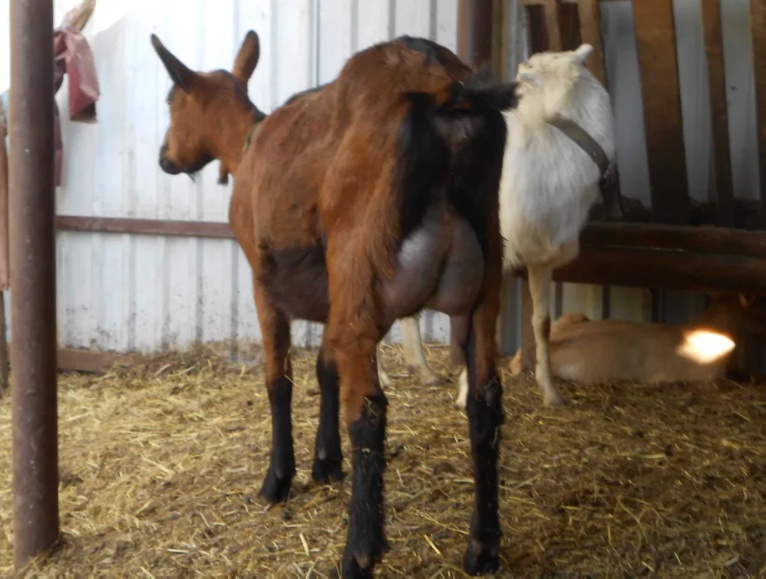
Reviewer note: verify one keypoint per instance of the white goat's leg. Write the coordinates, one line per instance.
(382, 376)
(540, 288)
(414, 355)
(462, 396)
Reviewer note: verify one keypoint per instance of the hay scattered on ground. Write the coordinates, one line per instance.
(160, 468)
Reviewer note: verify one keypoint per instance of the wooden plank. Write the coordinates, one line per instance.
(713, 240)
(758, 22)
(665, 270)
(590, 32)
(212, 229)
(552, 26)
(94, 361)
(656, 42)
(711, 20)
(569, 26)
(544, 30)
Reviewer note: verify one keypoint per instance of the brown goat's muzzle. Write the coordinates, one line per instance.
(165, 164)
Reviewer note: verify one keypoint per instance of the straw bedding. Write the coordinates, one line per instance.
(161, 464)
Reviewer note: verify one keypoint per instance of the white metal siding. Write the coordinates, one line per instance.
(124, 292)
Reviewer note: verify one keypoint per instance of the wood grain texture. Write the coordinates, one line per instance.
(656, 43)
(711, 23)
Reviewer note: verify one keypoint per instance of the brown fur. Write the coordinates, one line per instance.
(600, 351)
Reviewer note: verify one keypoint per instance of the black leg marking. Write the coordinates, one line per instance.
(366, 541)
(276, 485)
(328, 457)
(485, 415)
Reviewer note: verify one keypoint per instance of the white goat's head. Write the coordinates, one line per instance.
(547, 79)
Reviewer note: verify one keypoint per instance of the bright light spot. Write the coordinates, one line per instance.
(705, 347)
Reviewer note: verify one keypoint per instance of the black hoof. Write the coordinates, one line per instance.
(327, 471)
(480, 559)
(275, 490)
(352, 569)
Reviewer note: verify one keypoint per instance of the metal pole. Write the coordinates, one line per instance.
(33, 279)
(474, 35)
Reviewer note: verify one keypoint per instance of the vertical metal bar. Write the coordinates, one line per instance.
(33, 279)
(474, 33)
(5, 266)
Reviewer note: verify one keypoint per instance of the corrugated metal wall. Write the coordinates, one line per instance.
(125, 292)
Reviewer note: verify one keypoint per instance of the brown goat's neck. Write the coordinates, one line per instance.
(228, 145)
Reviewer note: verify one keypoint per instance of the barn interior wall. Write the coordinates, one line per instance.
(140, 292)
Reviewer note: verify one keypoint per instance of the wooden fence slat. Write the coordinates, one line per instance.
(553, 29)
(590, 32)
(656, 42)
(549, 29)
(711, 23)
(758, 22)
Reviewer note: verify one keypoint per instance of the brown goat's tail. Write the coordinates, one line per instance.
(453, 140)
(480, 98)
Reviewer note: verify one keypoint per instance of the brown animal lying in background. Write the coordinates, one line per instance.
(598, 351)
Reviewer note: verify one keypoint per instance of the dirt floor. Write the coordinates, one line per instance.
(160, 468)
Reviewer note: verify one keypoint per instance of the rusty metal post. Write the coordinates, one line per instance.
(474, 34)
(5, 266)
(33, 279)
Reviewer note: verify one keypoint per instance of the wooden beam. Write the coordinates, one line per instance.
(590, 32)
(212, 229)
(710, 240)
(758, 20)
(711, 20)
(569, 26)
(552, 26)
(544, 30)
(670, 270)
(656, 42)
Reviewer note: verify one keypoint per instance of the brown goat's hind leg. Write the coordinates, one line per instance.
(328, 457)
(485, 415)
(275, 329)
(365, 410)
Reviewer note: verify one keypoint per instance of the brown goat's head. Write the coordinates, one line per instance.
(208, 111)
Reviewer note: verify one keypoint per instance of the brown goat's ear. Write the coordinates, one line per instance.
(247, 57)
(179, 73)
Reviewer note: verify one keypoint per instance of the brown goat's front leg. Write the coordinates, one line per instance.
(328, 457)
(485, 415)
(275, 329)
(365, 410)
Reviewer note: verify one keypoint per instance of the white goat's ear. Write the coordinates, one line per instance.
(583, 51)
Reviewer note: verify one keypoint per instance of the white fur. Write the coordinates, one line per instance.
(414, 355)
(548, 182)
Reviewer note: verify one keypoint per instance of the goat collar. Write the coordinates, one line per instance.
(251, 133)
(588, 144)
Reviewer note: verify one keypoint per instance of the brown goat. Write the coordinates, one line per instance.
(356, 204)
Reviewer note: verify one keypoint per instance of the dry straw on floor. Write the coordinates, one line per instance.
(161, 464)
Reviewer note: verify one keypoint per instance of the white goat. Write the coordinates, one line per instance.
(414, 355)
(549, 181)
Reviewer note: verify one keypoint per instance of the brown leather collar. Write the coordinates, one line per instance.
(588, 144)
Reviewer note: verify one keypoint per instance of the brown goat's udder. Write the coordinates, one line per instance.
(440, 266)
